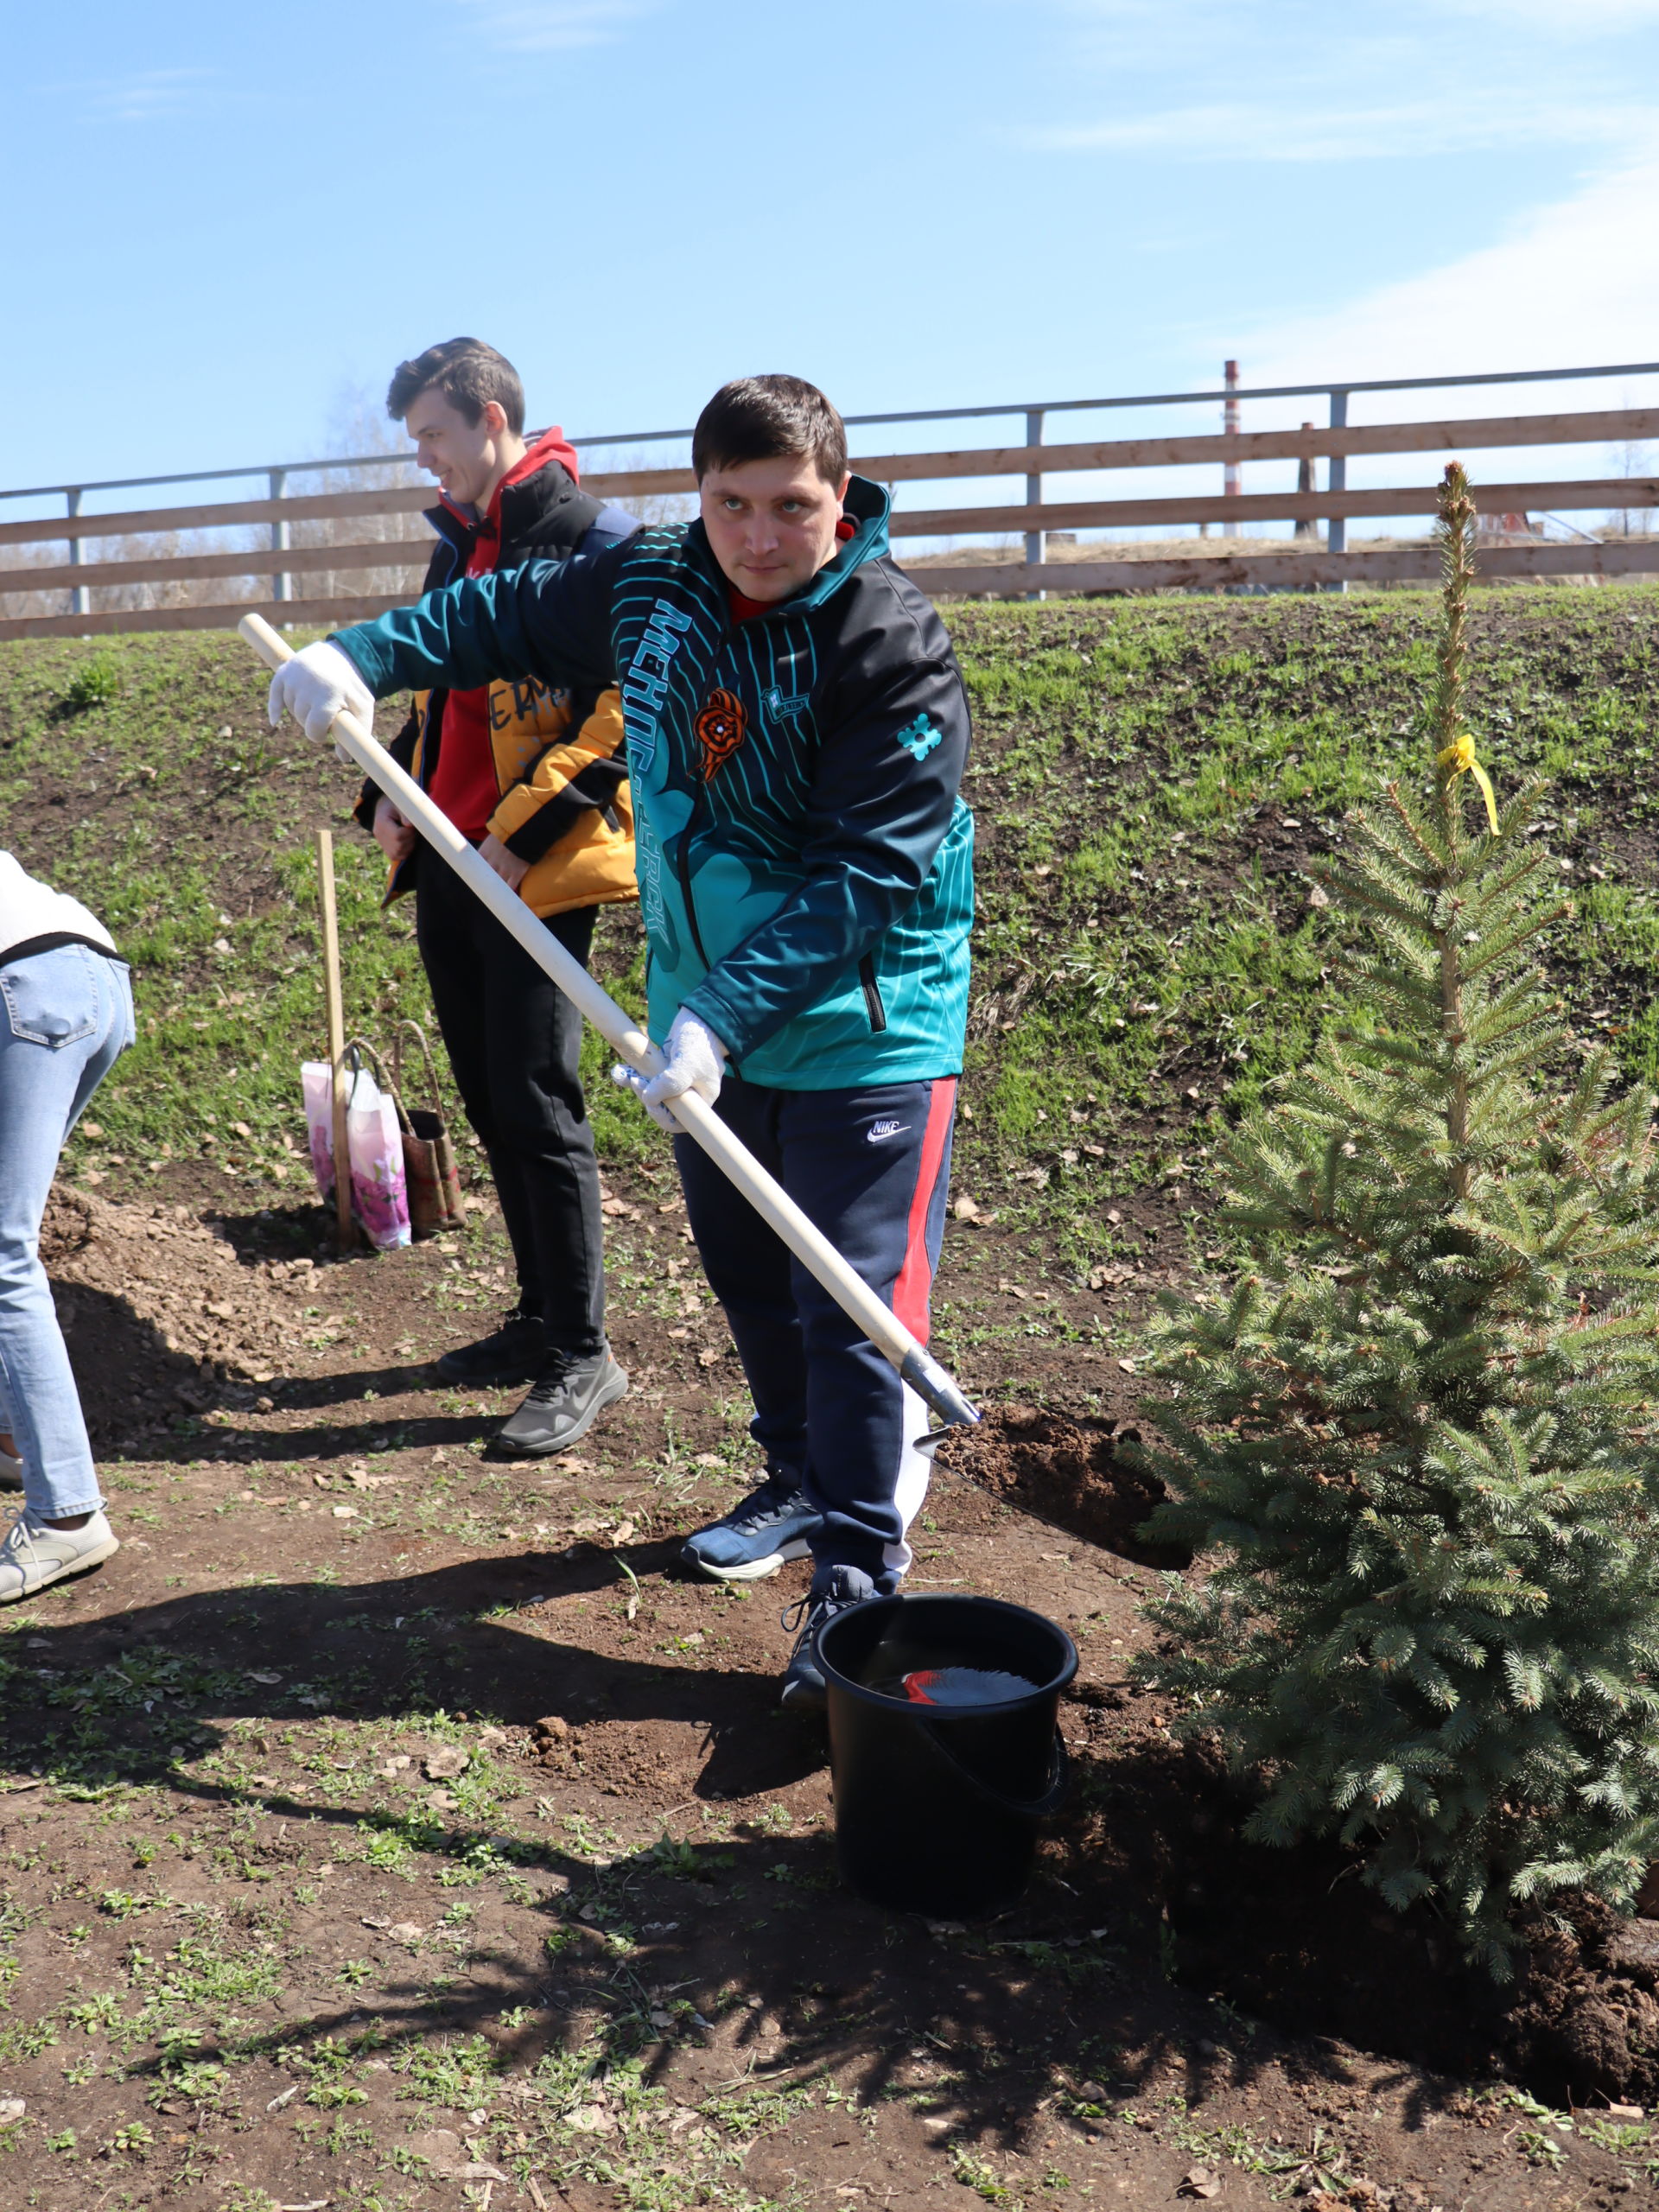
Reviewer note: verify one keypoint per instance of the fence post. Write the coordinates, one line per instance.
(1336, 480)
(1232, 482)
(1036, 540)
(80, 599)
(282, 584)
(1307, 485)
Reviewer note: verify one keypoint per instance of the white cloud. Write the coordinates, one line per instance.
(1292, 23)
(1564, 18)
(1307, 131)
(1573, 284)
(554, 26)
(1296, 80)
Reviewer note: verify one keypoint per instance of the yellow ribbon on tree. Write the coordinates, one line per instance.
(1459, 760)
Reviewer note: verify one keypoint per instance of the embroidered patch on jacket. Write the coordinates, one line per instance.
(720, 726)
(920, 737)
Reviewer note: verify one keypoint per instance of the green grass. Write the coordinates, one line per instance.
(1143, 932)
(159, 796)
(1147, 960)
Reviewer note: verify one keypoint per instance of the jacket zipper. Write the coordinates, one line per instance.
(873, 1005)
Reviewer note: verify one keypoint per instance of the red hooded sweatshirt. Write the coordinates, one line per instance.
(464, 783)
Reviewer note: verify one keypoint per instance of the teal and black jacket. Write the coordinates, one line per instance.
(805, 862)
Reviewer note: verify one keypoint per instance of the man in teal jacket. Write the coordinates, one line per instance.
(797, 730)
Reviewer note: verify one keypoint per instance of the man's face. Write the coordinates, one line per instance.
(772, 523)
(464, 456)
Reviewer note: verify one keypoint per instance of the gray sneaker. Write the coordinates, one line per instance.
(565, 1400)
(34, 1554)
(834, 1590)
(11, 1470)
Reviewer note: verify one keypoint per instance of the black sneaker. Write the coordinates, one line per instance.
(773, 1523)
(565, 1400)
(833, 1590)
(516, 1352)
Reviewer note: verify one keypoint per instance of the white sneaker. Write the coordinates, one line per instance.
(11, 1472)
(34, 1554)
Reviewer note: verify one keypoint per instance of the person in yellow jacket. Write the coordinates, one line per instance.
(537, 778)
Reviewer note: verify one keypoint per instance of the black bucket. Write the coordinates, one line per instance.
(937, 1805)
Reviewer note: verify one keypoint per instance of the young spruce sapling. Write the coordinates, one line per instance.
(1418, 1438)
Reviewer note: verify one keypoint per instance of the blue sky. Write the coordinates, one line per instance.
(225, 222)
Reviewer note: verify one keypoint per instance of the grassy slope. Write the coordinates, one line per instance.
(1152, 778)
(1155, 779)
(183, 819)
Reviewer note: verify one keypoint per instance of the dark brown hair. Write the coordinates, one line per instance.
(468, 374)
(768, 418)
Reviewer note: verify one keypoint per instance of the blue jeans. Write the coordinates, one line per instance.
(66, 1017)
(870, 1165)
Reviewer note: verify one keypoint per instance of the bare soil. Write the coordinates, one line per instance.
(451, 1775)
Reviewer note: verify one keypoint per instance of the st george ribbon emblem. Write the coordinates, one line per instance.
(721, 727)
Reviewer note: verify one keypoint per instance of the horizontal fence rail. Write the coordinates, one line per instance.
(303, 613)
(324, 506)
(387, 553)
(1637, 492)
(143, 555)
(1222, 572)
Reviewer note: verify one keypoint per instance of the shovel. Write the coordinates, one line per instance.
(694, 1115)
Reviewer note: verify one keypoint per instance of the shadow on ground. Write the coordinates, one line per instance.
(1062, 1996)
(1149, 1925)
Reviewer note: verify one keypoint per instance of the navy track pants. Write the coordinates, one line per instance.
(870, 1166)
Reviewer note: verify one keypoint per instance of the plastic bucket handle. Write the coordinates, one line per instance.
(1034, 1808)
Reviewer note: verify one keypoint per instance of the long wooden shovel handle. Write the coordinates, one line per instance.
(695, 1116)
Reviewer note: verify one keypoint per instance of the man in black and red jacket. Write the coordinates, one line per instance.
(536, 775)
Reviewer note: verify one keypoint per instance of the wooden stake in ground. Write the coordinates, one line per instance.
(344, 1228)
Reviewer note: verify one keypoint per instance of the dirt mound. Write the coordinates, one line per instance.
(1070, 1473)
(155, 1305)
(1588, 2016)
(658, 1761)
(1293, 1937)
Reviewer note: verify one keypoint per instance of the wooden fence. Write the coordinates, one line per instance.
(278, 562)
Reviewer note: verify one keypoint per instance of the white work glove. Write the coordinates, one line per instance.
(696, 1060)
(318, 683)
(626, 1079)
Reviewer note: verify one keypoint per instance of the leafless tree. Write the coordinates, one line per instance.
(358, 429)
(1632, 460)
